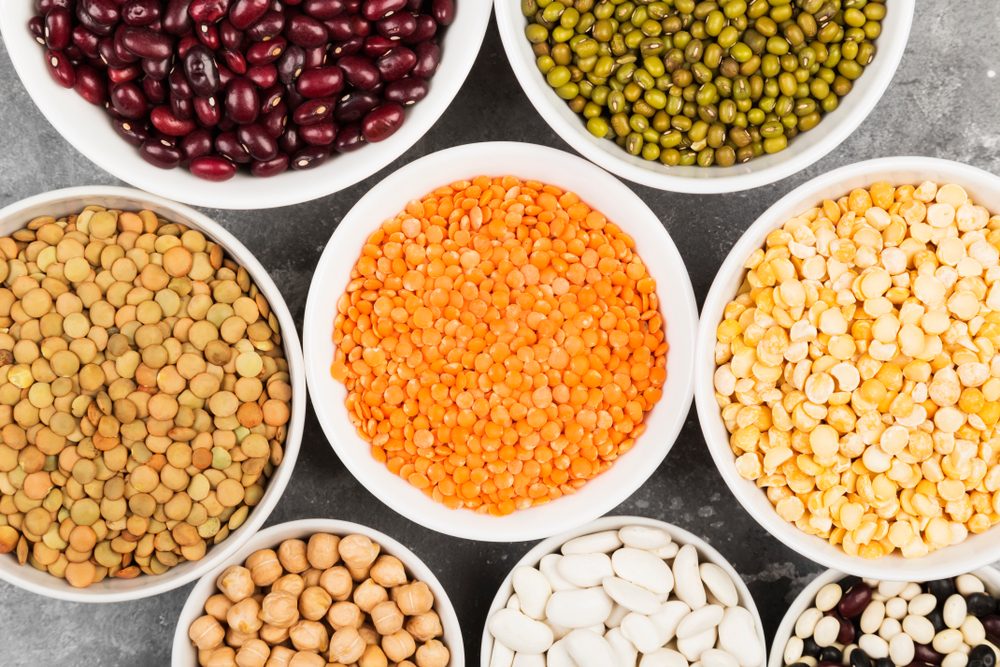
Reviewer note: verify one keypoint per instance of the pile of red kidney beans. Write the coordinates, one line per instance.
(269, 84)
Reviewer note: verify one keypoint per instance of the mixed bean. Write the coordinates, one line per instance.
(327, 600)
(144, 394)
(857, 371)
(710, 82)
(501, 344)
(214, 85)
(948, 622)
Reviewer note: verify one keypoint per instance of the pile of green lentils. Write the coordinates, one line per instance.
(716, 82)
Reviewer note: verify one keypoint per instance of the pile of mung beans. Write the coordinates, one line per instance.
(711, 82)
(144, 394)
(857, 369)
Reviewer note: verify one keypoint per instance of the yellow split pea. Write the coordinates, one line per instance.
(857, 369)
(501, 343)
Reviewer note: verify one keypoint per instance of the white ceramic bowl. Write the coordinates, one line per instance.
(984, 188)
(184, 654)
(801, 152)
(600, 190)
(807, 597)
(89, 129)
(70, 200)
(706, 553)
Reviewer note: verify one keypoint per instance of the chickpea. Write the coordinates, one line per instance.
(345, 615)
(337, 582)
(292, 555)
(387, 618)
(425, 627)
(253, 654)
(373, 657)
(314, 603)
(309, 636)
(398, 646)
(236, 583)
(368, 594)
(413, 599)
(388, 571)
(346, 646)
(280, 657)
(279, 608)
(369, 634)
(272, 634)
(289, 583)
(237, 639)
(218, 605)
(311, 577)
(358, 553)
(265, 568)
(322, 551)
(306, 659)
(433, 654)
(223, 656)
(206, 632)
(244, 616)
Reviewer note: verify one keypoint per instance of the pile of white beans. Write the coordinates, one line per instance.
(624, 597)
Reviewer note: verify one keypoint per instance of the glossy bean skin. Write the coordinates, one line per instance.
(267, 27)
(130, 132)
(349, 138)
(146, 43)
(428, 59)
(310, 157)
(377, 45)
(164, 120)
(244, 13)
(105, 12)
(128, 100)
(407, 91)
(58, 29)
(208, 34)
(242, 102)
(179, 85)
(319, 134)
(273, 167)
(258, 142)
(90, 85)
(313, 111)
(275, 120)
(141, 13)
(425, 30)
(855, 600)
(396, 63)
(323, 10)
(156, 69)
(182, 107)
(234, 60)
(320, 82)
(271, 99)
(443, 11)
(207, 110)
(208, 11)
(229, 145)
(306, 31)
(373, 10)
(201, 71)
(86, 41)
(263, 53)
(118, 75)
(230, 36)
(382, 122)
(196, 144)
(212, 168)
(992, 625)
(353, 106)
(263, 76)
(60, 68)
(397, 26)
(161, 153)
(176, 19)
(291, 64)
(86, 20)
(360, 72)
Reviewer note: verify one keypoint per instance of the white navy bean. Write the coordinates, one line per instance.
(603, 542)
(558, 655)
(889, 588)
(548, 566)
(890, 628)
(947, 641)
(642, 632)
(874, 646)
(589, 649)
(955, 660)
(585, 570)
(664, 657)
(533, 590)
(631, 596)
(520, 633)
(872, 617)
(967, 584)
(919, 628)
(805, 624)
(667, 552)
(700, 620)
(644, 537)
(578, 608)
(808, 661)
(501, 656)
(973, 632)
(901, 649)
(692, 647)
(714, 657)
(911, 591)
(668, 618)
(719, 584)
(826, 631)
(828, 597)
(624, 650)
(793, 650)
(922, 604)
(738, 635)
(954, 611)
(896, 608)
(644, 569)
(688, 586)
(614, 619)
(528, 660)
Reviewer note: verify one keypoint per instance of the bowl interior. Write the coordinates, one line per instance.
(984, 188)
(804, 600)
(89, 129)
(183, 653)
(552, 545)
(801, 152)
(71, 200)
(601, 191)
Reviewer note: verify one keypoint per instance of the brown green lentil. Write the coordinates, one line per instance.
(144, 395)
(658, 77)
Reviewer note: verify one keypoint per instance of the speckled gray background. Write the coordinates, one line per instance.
(944, 102)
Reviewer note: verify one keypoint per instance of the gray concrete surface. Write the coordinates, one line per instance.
(943, 102)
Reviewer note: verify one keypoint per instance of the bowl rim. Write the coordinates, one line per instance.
(243, 192)
(181, 646)
(803, 600)
(157, 584)
(841, 181)
(711, 180)
(450, 163)
(706, 552)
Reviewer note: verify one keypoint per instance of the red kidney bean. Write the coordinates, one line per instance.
(426, 29)
(396, 64)
(271, 99)
(140, 13)
(360, 72)
(373, 10)
(36, 26)
(309, 157)
(156, 69)
(847, 633)
(130, 132)
(377, 45)
(212, 168)
(91, 85)
(428, 59)
(258, 142)
(320, 82)
(397, 26)
(348, 48)
(196, 144)
(324, 9)
(161, 153)
(443, 11)
(926, 654)
(855, 600)
(60, 68)
(340, 28)
(354, 105)
(104, 12)
(201, 71)
(263, 53)
(228, 145)
(87, 21)
(306, 31)
(164, 120)
(315, 57)
(407, 91)
(414, 5)
(290, 142)
(244, 13)
(230, 37)
(43, 6)
(182, 107)
(275, 120)
(382, 122)
(207, 110)
(313, 111)
(87, 42)
(226, 75)
(185, 44)
(353, 6)
(263, 76)
(349, 138)
(145, 43)
(208, 34)
(118, 75)
(266, 168)
(58, 29)
(268, 27)
(179, 85)
(290, 64)
(319, 134)
(234, 60)
(176, 19)
(208, 11)
(242, 101)
(155, 90)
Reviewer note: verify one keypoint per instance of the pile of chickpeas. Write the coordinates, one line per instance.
(857, 370)
(325, 600)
